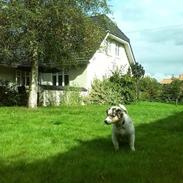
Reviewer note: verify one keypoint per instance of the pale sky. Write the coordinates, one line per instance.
(155, 29)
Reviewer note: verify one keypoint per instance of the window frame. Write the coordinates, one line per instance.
(117, 49)
(22, 78)
(109, 48)
(61, 75)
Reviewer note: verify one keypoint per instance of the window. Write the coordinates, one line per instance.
(26, 78)
(22, 78)
(117, 49)
(109, 48)
(60, 79)
(66, 80)
(18, 78)
(54, 79)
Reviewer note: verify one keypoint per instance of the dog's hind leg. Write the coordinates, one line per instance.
(115, 142)
(132, 142)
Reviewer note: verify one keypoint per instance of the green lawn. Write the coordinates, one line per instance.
(72, 144)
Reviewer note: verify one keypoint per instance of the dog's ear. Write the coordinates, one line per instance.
(119, 113)
(123, 108)
(107, 111)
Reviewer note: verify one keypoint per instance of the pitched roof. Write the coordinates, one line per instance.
(109, 26)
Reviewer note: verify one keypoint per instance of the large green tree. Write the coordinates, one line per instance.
(173, 92)
(137, 72)
(150, 89)
(55, 31)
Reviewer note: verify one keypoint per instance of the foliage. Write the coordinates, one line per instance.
(137, 73)
(114, 90)
(71, 96)
(150, 89)
(11, 94)
(126, 86)
(137, 70)
(104, 92)
(8, 94)
(58, 30)
(173, 92)
(49, 31)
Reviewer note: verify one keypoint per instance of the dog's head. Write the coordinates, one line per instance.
(115, 114)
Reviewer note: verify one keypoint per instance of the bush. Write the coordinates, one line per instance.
(114, 90)
(150, 89)
(8, 94)
(173, 92)
(11, 94)
(126, 86)
(104, 92)
(71, 96)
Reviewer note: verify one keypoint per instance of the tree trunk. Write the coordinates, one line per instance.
(33, 89)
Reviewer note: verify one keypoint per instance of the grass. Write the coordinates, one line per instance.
(71, 144)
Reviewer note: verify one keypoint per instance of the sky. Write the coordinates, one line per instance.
(155, 29)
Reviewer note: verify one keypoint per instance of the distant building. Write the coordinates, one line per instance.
(169, 80)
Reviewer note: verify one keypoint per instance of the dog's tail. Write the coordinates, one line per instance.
(123, 108)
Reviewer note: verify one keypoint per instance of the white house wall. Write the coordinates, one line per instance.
(78, 76)
(102, 64)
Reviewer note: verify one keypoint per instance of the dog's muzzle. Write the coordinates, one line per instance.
(106, 122)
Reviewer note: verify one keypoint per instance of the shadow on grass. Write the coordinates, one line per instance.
(158, 158)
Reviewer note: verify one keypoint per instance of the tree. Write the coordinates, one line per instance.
(150, 89)
(137, 72)
(36, 31)
(176, 90)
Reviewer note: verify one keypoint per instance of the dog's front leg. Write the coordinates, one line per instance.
(132, 142)
(115, 142)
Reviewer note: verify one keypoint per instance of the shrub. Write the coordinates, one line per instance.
(114, 90)
(71, 96)
(11, 94)
(8, 93)
(172, 92)
(150, 89)
(126, 86)
(104, 92)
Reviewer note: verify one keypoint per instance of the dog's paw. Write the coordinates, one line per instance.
(116, 148)
(132, 149)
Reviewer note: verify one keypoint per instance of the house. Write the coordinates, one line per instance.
(169, 80)
(113, 52)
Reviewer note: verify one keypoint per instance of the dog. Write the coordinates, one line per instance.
(122, 126)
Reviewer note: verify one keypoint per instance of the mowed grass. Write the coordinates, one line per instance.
(72, 144)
